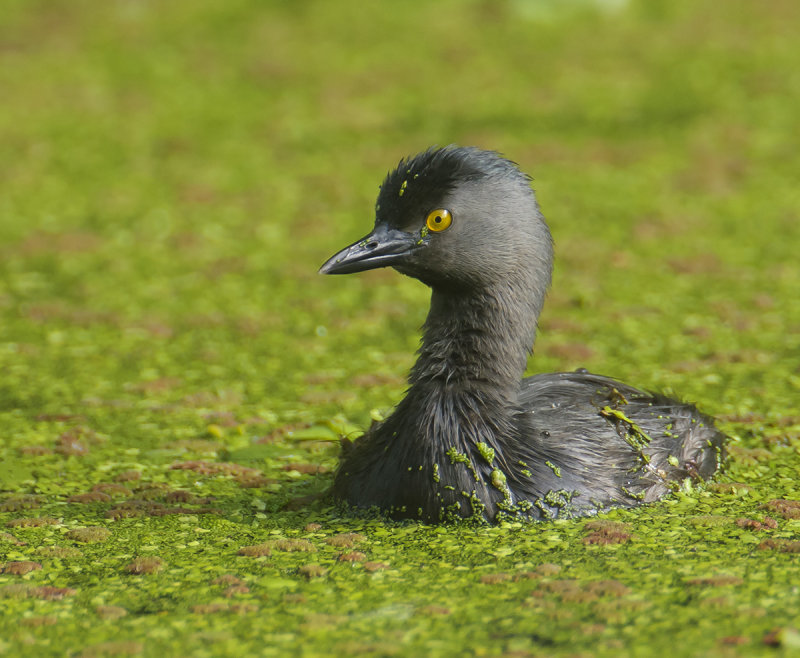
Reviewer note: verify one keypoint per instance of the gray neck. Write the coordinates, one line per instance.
(479, 340)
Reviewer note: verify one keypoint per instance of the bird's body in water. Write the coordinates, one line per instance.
(472, 439)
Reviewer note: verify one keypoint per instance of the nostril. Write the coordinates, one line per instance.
(372, 245)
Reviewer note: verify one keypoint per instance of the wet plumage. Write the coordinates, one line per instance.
(472, 438)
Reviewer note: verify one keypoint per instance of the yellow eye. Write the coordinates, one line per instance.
(439, 220)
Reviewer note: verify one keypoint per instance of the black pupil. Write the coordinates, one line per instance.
(437, 219)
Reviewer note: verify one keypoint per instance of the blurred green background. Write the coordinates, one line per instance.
(172, 175)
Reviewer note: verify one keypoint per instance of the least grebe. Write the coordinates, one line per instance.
(471, 438)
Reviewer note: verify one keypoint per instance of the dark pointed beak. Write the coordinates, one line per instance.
(381, 248)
